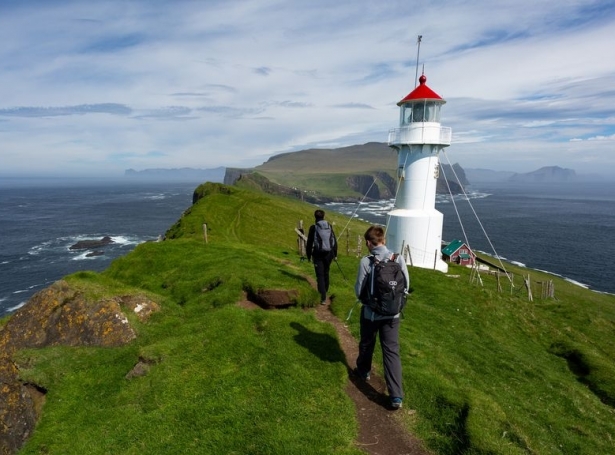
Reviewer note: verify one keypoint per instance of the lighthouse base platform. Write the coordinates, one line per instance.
(417, 235)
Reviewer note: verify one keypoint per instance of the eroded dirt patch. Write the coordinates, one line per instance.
(271, 299)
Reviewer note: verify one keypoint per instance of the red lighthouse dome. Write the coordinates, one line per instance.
(422, 92)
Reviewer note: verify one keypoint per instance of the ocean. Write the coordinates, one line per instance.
(40, 221)
(567, 230)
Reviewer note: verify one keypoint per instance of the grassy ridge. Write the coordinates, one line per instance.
(486, 372)
(325, 171)
(373, 156)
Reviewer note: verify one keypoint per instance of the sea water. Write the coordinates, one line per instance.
(568, 230)
(40, 222)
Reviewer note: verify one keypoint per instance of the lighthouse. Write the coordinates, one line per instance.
(414, 226)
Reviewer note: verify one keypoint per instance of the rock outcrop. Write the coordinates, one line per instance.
(17, 408)
(87, 244)
(57, 315)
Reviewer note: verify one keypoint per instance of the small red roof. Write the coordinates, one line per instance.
(422, 92)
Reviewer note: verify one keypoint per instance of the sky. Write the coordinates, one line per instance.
(92, 88)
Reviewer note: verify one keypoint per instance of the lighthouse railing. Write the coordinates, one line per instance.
(421, 134)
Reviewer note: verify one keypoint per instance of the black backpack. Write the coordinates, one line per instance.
(324, 238)
(384, 288)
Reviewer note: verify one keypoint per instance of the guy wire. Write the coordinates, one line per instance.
(399, 177)
(475, 215)
(358, 205)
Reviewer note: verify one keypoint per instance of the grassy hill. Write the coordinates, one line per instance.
(347, 173)
(485, 372)
(327, 171)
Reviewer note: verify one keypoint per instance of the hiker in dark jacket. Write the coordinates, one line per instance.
(321, 249)
(374, 324)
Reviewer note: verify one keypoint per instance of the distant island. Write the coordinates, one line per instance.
(305, 172)
(546, 174)
(185, 174)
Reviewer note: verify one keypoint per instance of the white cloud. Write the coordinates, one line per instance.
(105, 86)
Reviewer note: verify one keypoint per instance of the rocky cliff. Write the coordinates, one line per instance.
(57, 315)
(364, 171)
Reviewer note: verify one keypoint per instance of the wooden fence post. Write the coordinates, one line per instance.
(528, 285)
(301, 239)
(205, 232)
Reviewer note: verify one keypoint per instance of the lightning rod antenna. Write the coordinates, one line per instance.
(418, 50)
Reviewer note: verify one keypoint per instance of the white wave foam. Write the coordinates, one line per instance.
(156, 197)
(585, 286)
(20, 291)
(37, 249)
(122, 240)
(517, 263)
(84, 256)
(4, 262)
(446, 198)
(602, 292)
(16, 307)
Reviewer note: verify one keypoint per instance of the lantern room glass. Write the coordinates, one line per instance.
(421, 111)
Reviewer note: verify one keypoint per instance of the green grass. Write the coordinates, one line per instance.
(485, 372)
(322, 184)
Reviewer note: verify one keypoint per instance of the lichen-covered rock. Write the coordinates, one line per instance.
(17, 410)
(139, 305)
(59, 315)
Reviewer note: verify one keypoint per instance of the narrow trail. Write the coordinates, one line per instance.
(380, 429)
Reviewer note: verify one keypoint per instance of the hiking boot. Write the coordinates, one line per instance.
(396, 402)
(362, 376)
(324, 302)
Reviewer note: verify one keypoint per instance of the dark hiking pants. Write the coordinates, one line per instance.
(388, 330)
(321, 267)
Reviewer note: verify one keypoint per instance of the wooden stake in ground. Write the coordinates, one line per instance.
(301, 239)
(528, 286)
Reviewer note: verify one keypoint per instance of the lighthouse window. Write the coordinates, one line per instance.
(418, 112)
(406, 114)
(426, 111)
(432, 112)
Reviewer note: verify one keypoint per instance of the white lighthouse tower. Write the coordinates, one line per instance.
(414, 226)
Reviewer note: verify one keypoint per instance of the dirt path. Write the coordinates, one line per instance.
(380, 430)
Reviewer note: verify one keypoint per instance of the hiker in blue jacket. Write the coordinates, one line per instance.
(374, 324)
(321, 249)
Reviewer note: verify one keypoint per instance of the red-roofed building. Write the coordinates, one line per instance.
(459, 253)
